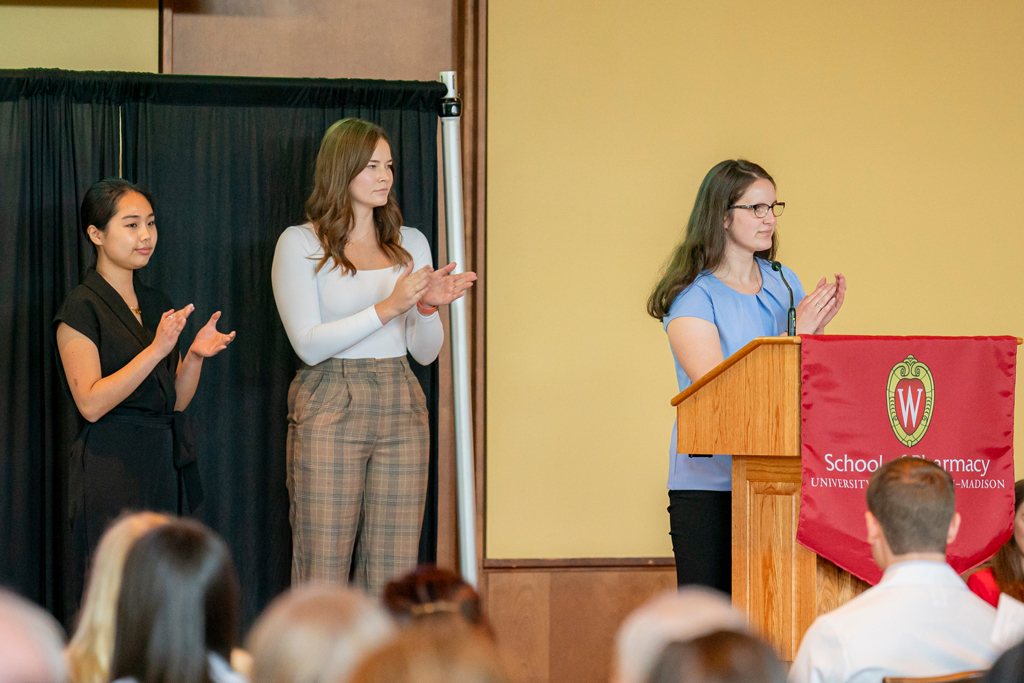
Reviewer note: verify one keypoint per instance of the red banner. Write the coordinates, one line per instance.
(868, 400)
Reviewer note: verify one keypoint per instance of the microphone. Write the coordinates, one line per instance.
(791, 318)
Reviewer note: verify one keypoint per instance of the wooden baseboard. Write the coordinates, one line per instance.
(582, 563)
(556, 619)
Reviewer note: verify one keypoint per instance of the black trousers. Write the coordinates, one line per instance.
(701, 530)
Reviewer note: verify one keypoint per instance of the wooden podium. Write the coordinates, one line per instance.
(749, 406)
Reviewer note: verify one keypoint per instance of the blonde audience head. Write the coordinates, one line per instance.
(30, 643)
(316, 634)
(441, 651)
(89, 653)
(682, 615)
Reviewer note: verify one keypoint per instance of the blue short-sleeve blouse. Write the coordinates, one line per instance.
(740, 318)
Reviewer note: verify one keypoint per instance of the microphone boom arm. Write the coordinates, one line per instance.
(791, 318)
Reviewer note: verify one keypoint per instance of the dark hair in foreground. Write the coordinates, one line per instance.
(720, 657)
(101, 200)
(1007, 564)
(345, 150)
(704, 244)
(428, 591)
(914, 500)
(178, 601)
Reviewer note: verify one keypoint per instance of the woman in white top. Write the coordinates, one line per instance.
(356, 291)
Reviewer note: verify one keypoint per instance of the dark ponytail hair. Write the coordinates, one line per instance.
(429, 590)
(1008, 564)
(178, 602)
(704, 244)
(101, 200)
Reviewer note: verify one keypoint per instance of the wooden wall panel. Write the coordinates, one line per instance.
(399, 39)
(471, 63)
(558, 622)
(519, 610)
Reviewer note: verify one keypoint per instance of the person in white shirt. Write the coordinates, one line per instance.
(921, 619)
(356, 292)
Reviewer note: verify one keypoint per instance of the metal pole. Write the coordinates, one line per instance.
(451, 110)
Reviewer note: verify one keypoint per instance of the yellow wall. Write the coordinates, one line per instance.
(117, 36)
(894, 130)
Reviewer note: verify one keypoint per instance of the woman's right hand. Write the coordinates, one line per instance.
(408, 290)
(171, 324)
(815, 307)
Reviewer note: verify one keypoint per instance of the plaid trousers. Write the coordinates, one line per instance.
(358, 449)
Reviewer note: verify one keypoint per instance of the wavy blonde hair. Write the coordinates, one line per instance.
(90, 651)
(347, 147)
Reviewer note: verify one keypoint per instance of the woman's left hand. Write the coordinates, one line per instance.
(209, 342)
(839, 296)
(444, 288)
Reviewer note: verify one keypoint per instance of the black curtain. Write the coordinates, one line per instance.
(230, 164)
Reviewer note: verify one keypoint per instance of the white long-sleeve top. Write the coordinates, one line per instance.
(327, 314)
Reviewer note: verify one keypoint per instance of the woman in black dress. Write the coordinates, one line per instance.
(118, 345)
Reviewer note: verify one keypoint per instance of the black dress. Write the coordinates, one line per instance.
(138, 456)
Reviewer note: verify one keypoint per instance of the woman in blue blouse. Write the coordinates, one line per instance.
(717, 294)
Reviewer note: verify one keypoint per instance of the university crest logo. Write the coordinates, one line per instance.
(911, 396)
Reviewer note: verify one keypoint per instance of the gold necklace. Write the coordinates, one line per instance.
(136, 311)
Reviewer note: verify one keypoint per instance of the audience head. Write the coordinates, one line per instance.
(719, 657)
(89, 653)
(911, 510)
(435, 652)
(178, 602)
(316, 634)
(354, 172)
(30, 643)
(116, 216)
(684, 615)
(428, 592)
(703, 246)
(1008, 564)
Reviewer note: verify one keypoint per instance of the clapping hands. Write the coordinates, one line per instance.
(819, 307)
(209, 342)
(444, 288)
(171, 324)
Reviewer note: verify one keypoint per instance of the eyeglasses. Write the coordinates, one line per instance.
(761, 210)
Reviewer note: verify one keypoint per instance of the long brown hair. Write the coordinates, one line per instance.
(1008, 564)
(347, 147)
(704, 244)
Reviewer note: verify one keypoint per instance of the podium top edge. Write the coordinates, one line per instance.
(734, 358)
